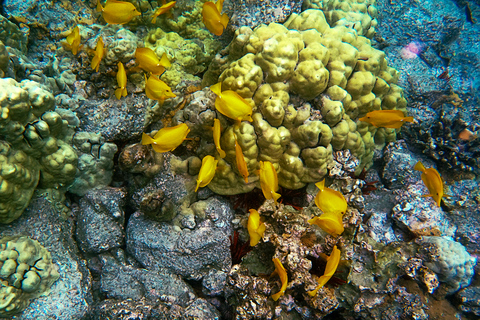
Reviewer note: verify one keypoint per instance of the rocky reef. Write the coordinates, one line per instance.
(95, 223)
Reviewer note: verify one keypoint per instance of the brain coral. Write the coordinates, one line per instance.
(308, 84)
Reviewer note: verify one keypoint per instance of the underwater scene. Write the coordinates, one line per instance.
(239, 159)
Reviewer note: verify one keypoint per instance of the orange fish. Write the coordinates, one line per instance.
(167, 139)
(162, 10)
(386, 118)
(332, 263)
(241, 163)
(280, 270)
(99, 53)
(156, 89)
(212, 19)
(121, 81)
(73, 39)
(117, 12)
(147, 60)
(432, 180)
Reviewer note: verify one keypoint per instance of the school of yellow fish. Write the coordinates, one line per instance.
(331, 202)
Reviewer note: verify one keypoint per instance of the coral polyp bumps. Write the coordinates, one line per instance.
(308, 85)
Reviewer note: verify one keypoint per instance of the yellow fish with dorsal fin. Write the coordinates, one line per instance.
(386, 118)
(162, 10)
(231, 104)
(329, 200)
(117, 12)
(269, 180)
(332, 263)
(433, 181)
(121, 82)
(330, 222)
(240, 159)
(99, 53)
(280, 270)
(73, 39)
(207, 171)
(256, 228)
(167, 139)
(147, 60)
(212, 19)
(216, 137)
(156, 89)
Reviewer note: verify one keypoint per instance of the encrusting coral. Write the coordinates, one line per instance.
(26, 272)
(33, 145)
(308, 84)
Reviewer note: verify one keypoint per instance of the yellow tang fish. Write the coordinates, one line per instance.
(147, 60)
(330, 222)
(241, 163)
(332, 263)
(269, 180)
(386, 118)
(231, 104)
(212, 19)
(280, 270)
(432, 180)
(256, 228)
(329, 200)
(121, 81)
(73, 39)
(117, 12)
(167, 139)
(207, 171)
(99, 53)
(216, 137)
(162, 10)
(156, 89)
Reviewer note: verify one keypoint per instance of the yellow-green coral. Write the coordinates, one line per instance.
(188, 57)
(26, 272)
(357, 14)
(32, 145)
(337, 74)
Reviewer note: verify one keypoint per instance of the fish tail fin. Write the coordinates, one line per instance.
(321, 185)
(419, 166)
(154, 19)
(95, 63)
(219, 5)
(164, 61)
(276, 196)
(396, 125)
(217, 89)
(224, 20)
(146, 139)
(118, 93)
(99, 6)
(124, 92)
(408, 119)
(222, 153)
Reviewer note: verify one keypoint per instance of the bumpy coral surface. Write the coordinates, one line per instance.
(26, 272)
(33, 145)
(357, 14)
(308, 84)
